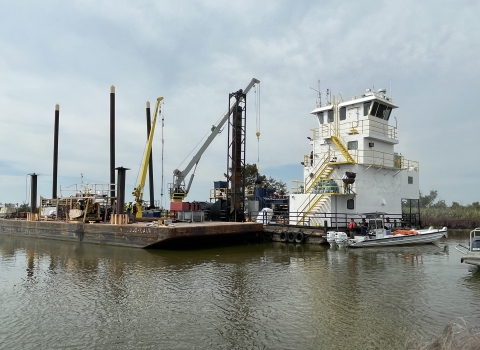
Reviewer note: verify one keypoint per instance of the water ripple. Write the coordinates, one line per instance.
(266, 296)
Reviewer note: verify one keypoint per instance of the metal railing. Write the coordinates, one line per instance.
(338, 220)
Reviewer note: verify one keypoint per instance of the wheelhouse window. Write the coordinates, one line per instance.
(343, 113)
(320, 117)
(380, 111)
(352, 145)
(410, 180)
(366, 107)
(350, 204)
(330, 116)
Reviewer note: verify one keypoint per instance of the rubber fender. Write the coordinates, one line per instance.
(283, 236)
(299, 237)
(291, 237)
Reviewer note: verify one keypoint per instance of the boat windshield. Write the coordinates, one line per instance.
(476, 243)
(375, 223)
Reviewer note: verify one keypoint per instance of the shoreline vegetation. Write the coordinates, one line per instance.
(456, 216)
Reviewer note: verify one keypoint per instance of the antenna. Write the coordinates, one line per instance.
(319, 98)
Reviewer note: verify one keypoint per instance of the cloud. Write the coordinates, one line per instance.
(194, 53)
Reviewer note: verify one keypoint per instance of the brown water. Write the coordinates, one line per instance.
(57, 295)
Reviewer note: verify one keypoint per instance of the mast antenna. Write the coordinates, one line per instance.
(319, 97)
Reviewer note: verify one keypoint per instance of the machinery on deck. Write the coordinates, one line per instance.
(178, 190)
(138, 191)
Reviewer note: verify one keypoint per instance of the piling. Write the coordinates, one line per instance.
(55, 151)
(121, 189)
(112, 142)
(33, 194)
(150, 161)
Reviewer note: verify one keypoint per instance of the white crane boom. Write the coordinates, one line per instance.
(178, 190)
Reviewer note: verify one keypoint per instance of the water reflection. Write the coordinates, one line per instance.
(271, 295)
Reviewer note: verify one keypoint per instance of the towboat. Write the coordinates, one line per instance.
(471, 254)
(379, 234)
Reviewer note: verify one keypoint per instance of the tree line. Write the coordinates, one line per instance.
(437, 212)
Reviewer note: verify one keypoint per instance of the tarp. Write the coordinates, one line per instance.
(264, 216)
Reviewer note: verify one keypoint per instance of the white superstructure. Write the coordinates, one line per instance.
(353, 167)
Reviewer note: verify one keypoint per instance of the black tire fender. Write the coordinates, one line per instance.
(299, 237)
(291, 237)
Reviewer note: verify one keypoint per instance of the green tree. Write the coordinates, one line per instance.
(456, 205)
(24, 207)
(476, 205)
(251, 174)
(253, 177)
(439, 204)
(429, 199)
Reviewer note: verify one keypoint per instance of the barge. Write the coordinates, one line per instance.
(138, 235)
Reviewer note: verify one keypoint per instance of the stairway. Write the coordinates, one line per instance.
(341, 147)
(321, 172)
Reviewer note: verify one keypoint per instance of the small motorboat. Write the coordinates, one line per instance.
(381, 235)
(471, 254)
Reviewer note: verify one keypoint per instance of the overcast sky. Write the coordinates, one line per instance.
(194, 53)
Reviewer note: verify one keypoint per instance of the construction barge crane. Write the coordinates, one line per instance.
(178, 191)
(138, 191)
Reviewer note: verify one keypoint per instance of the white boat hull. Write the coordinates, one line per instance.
(471, 258)
(423, 237)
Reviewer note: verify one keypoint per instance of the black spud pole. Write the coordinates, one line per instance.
(150, 162)
(55, 151)
(112, 143)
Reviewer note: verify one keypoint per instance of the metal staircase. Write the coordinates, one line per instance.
(321, 171)
(341, 147)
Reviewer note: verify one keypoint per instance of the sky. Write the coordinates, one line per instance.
(194, 53)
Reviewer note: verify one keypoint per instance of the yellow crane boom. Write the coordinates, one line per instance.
(138, 191)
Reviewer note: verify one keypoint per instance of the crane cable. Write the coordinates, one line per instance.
(257, 117)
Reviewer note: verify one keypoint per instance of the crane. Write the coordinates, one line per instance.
(138, 191)
(178, 190)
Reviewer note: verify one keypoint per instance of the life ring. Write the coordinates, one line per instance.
(291, 237)
(283, 236)
(299, 237)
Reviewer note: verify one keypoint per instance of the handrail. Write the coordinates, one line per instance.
(306, 212)
(317, 172)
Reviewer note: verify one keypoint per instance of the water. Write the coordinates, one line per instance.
(57, 295)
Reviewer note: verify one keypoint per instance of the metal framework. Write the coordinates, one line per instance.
(236, 156)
